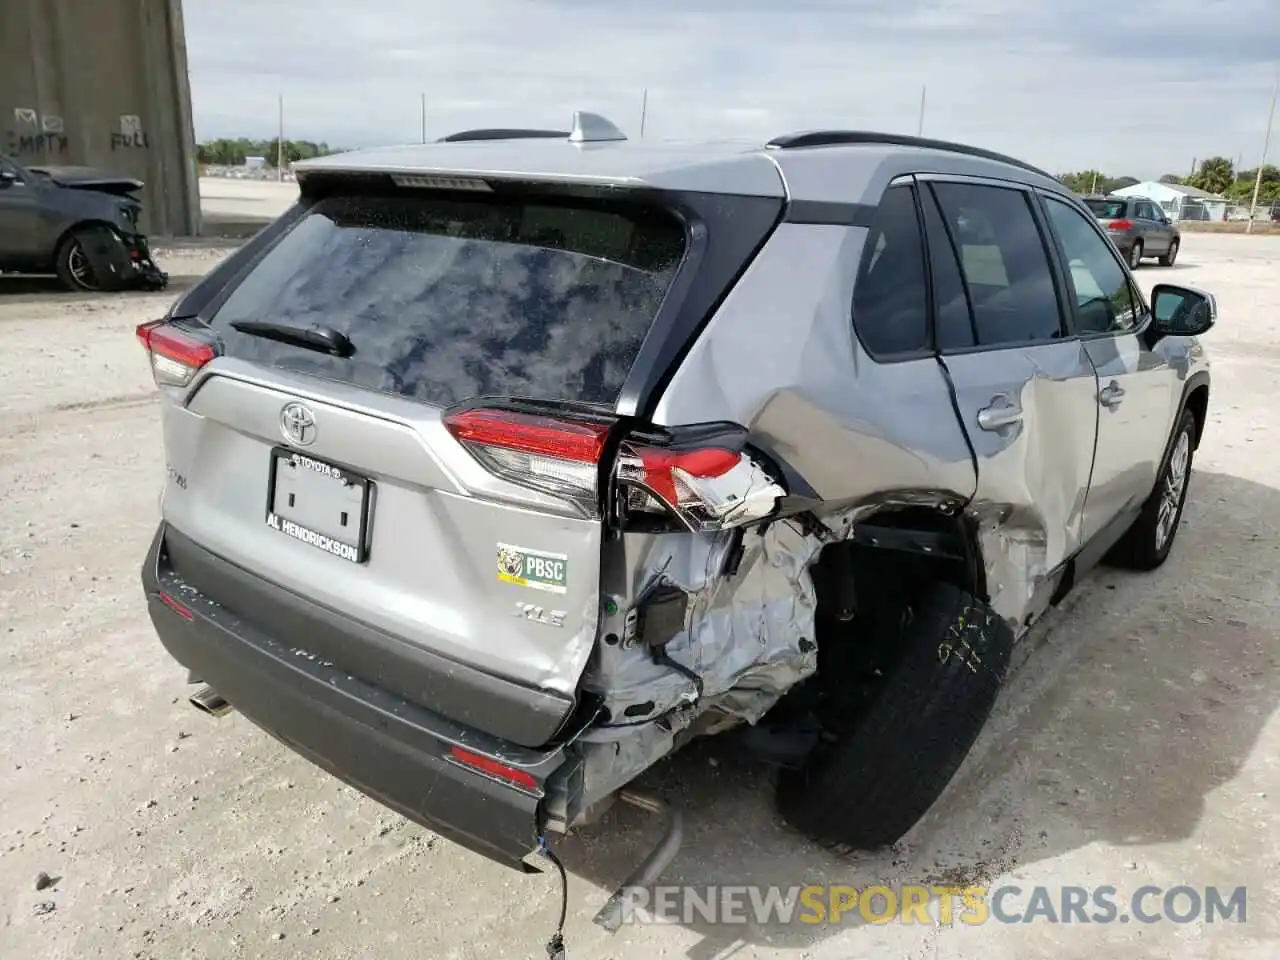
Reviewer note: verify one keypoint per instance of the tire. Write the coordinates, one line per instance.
(1135, 255)
(868, 788)
(1168, 259)
(1146, 544)
(74, 267)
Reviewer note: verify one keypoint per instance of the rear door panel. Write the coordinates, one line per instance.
(1038, 466)
(1025, 389)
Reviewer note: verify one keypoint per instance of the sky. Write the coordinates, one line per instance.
(1138, 89)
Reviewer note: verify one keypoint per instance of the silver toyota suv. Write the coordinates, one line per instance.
(499, 468)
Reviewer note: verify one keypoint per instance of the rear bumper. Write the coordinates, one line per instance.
(393, 751)
(474, 699)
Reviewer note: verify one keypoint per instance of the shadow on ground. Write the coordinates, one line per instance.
(1133, 703)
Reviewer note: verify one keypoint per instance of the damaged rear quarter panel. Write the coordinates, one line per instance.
(748, 626)
(780, 357)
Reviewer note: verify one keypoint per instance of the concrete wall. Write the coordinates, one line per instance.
(103, 83)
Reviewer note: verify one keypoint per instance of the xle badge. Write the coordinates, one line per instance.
(530, 611)
(533, 568)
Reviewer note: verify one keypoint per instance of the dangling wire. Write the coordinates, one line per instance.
(555, 946)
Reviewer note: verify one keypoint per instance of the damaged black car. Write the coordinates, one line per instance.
(79, 223)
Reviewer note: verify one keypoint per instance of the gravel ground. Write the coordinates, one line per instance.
(1136, 743)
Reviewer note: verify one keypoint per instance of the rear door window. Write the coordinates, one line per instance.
(1004, 263)
(446, 299)
(890, 302)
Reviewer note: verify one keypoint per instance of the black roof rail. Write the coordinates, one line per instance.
(833, 138)
(502, 133)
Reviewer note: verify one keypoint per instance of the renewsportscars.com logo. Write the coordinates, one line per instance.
(933, 904)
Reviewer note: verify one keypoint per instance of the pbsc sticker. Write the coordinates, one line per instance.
(533, 568)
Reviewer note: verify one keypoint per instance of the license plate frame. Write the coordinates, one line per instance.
(354, 550)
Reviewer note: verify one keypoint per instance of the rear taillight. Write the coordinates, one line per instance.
(175, 355)
(1120, 225)
(705, 487)
(560, 457)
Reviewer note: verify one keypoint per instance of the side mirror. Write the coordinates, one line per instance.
(1181, 311)
(7, 178)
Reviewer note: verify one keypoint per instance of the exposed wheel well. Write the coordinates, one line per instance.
(868, 587)
(870, 582)
(79, 225)
(921, 542)
(1198, 404)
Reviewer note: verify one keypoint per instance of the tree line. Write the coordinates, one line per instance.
(1215, 175)
(232, 153)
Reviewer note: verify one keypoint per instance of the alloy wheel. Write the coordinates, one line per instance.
(80, 268)
(1171, 491)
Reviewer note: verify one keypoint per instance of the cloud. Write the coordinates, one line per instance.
(1138, 90)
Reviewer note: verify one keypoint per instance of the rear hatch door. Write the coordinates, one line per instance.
(343, 444)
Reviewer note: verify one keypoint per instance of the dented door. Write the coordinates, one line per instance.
(1025, 388)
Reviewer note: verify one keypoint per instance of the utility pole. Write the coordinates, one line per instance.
(644, 110)
(280, 143)
(1093, 188)
(920, 122)
(424, 118)
(1266, 143)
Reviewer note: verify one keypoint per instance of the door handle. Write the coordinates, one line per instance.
(1111, 395)
(1001, 413)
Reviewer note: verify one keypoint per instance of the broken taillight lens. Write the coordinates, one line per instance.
(175, 354)
(705, 487)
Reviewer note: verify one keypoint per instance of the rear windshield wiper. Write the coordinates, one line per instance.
(312, 337)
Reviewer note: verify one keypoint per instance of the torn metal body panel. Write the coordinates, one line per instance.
(745, 636)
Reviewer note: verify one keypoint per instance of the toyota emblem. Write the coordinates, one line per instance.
(298, 424)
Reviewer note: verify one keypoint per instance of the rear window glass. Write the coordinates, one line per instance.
(1106, 209)
(446, 299)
